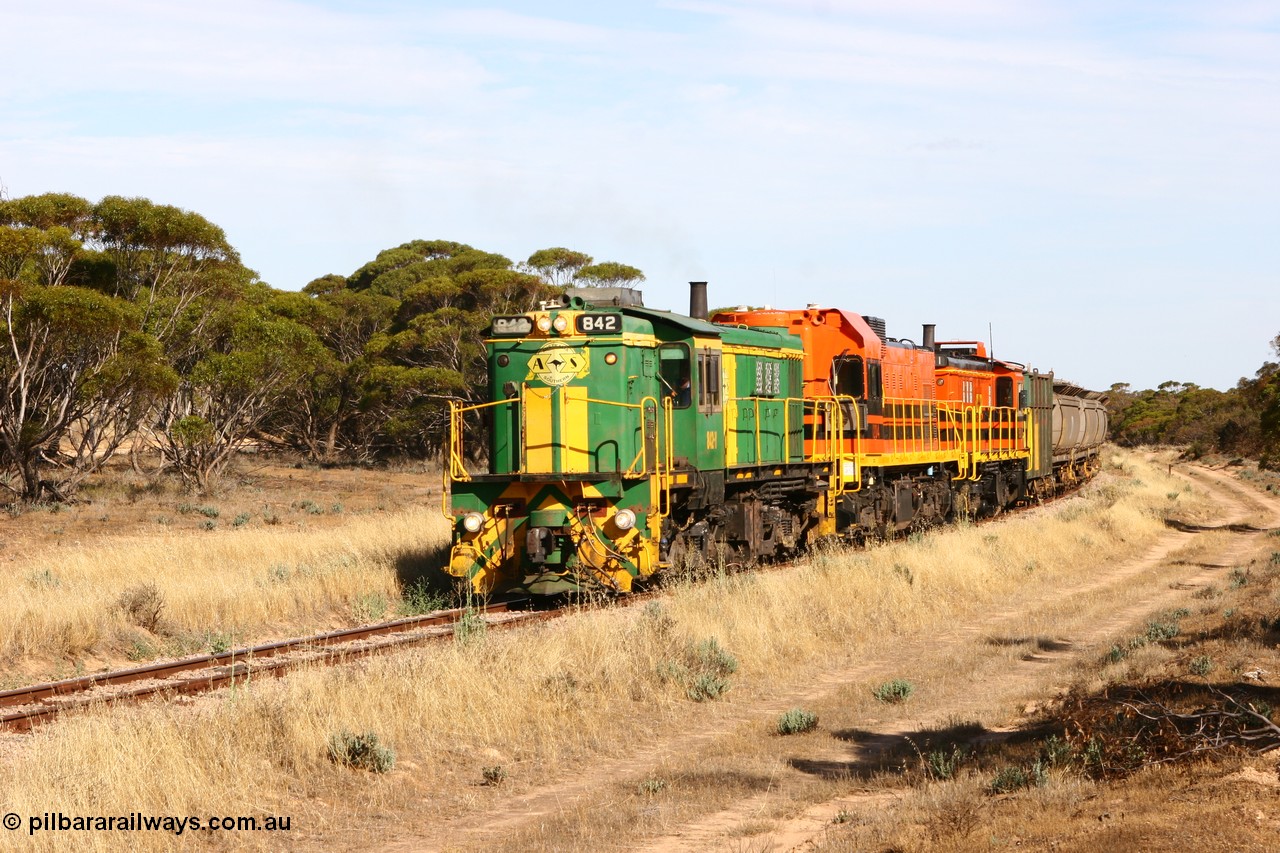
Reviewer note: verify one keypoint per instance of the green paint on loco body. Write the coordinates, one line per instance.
(645, 353)
(569, 429)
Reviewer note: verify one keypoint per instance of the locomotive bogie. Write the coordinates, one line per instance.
(550, 537)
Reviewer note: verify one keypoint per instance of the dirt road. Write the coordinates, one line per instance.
(990, 673)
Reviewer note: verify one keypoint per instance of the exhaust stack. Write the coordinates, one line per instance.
(698, 300)
(929, 337)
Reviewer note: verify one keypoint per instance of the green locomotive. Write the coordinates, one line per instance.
(622, 439)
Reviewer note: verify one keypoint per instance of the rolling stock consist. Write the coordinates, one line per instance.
(624, 440)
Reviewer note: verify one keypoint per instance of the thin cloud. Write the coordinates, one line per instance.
(272, 50)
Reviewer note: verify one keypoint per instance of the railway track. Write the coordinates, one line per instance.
(23, 708)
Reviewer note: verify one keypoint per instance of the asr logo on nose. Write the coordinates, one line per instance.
(557, 364)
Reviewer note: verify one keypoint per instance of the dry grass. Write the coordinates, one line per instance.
(172, 592)
(536, 703)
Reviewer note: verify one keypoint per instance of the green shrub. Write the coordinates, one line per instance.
(1092, 756)
(898, 690)
(418, 597)
(140, 649)
(218, 642)
(653, 786)
(1159, 631)
(470, 628)
(942, 764)
(707, 685)
(702, 670)
(369, 607)
(362, 751)
(1055, 751)
(710, 656)
(797, 720)
(1201, 665)
(1009, 779)
(495, 775)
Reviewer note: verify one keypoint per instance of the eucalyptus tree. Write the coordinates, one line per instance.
(328, 416)
(404, 334)
(246, 362)
(608, 274)
(557, 266)
(165, 258)
(75, 371)
(41, 236)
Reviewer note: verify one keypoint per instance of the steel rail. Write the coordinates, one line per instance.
(42, 702)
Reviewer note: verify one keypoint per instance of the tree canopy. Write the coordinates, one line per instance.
(129, 324)
(1243, 421)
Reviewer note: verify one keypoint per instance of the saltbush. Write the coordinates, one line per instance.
(797, 720)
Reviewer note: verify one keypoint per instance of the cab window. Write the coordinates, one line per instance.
(1004, 391)
(674, 374)
(708, 381)
(847, 377)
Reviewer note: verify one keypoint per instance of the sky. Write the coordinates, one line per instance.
(1092, 186)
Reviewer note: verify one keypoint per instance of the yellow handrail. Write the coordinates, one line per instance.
(455, 464)
(825, 410)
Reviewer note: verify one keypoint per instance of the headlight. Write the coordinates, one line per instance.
(561, 323)
(472, 522)
(544, 323)
(625, 519)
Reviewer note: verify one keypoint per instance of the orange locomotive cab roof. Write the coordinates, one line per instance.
(804, 322)
(826, 334)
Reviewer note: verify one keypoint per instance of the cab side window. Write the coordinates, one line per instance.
(708, 381)
(847, 377)
(1004, 391)
(675, 375)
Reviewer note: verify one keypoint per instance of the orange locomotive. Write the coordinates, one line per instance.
(926, 431)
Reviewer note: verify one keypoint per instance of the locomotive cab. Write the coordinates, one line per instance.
(616, 433)
(574, 439)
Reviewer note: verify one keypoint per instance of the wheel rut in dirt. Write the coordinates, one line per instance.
(1041, 669)
(721, 830)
